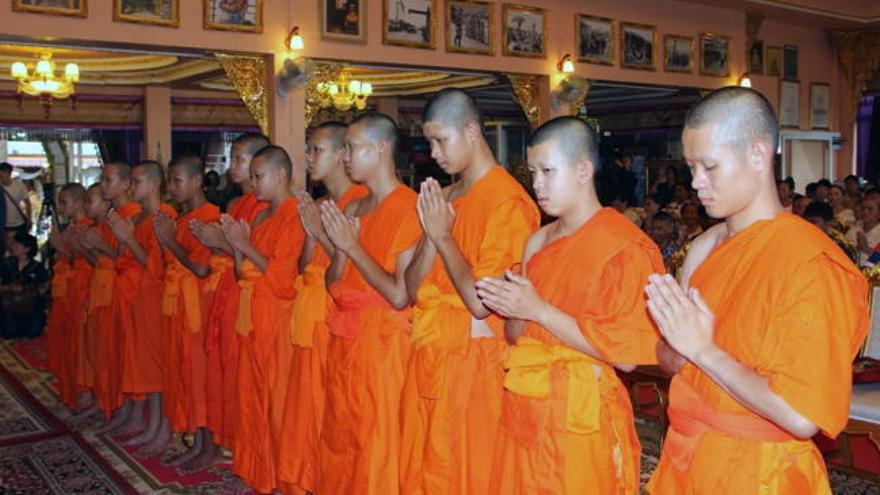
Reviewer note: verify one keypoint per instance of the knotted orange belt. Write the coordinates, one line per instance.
(249, 273)
(345, 321)
(430, 303)
(181, 282)
(219, 264)
(690, 417)
(528, 373)
(309, 306)
(60, 279)
(101, 288)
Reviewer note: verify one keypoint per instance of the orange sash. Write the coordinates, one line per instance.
(309, 307)
(60, 279)
(180, 282)
(350, 301)
(219, 263)
(249, 274)
(101, 289)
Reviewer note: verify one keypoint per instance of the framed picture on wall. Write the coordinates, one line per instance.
(77, 8)
(595, 39)
(714, 55)
(343, 20)
(470, 27)
(409, 23)
(756, 58)
(790, 62)
(820, 102)
(524, 30)
(774, 61)
(872, 343)
(238, 15)
(678, 53)
(789, 103)
(638, 46)
(156, 12)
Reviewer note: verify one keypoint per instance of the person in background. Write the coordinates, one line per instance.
(653, 204)
(799, 204)
(622, 205)
(852, 186)
(785, 194)
(691, 224)
(18, 209)
(843, 215)
(822, 215)
(822, 189)
(810, 191)
(34, 199)
(663, 232)
(23, 287)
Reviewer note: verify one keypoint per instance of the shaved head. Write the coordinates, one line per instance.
(192, 165)
(75, 191)
(573, 136)
(277, 157)
(378, 127)
(123, 170)
(334, 132)
(252, 142)
(452, 107)
(151, 169)
(743, 116)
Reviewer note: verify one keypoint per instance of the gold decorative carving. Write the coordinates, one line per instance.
(859, 55)
(325, 72)
(576, 105)
(249, 76)
(526, 90)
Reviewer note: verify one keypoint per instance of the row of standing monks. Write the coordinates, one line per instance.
(381, 341)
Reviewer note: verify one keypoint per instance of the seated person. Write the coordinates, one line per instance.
(822, 215)
(23, 286)
(663, 232)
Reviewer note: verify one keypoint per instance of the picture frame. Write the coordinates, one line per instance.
(678, 53)
(158, 13)
(790, 62)
(714, 55)
(638, 46)
(871, 349)
(595, 39)
(789, 103)
(248, 19)
(520, 36)
(346, 22)
(72, 8)
(470, 27)
(774, 61)
(411, 23)
(820, 104)
(756, 58)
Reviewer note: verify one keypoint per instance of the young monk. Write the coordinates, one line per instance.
(474, 228)
(304, 409)
(140, 272)
(221, 341)
(374, 243)
(265, 258)
(767, 330)
(577, 311)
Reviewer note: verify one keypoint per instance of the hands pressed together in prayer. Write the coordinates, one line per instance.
(684, 319)
(343, 229)
(511, 296)
(209, 234)
(237, 233)
(435, 213)
(309, 214)
(122, 228)
(165, 228)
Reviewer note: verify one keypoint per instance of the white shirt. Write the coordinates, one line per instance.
(872, 235)
(18, 191)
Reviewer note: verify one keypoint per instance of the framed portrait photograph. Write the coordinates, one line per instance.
(820, 103)
(774, 61)
(409, 23)
(595, 39)
(470, 27)
(78, 8)
(714, 55)
(790, 62)
(638, 46)
(872, 343)
(789, 103)
(234, 15)
(343, 20)
(155, 12)
(756, 58)
(678, 53)
(525, 30)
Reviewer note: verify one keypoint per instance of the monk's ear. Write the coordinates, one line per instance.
(759, 155)
(472, 131)
(585, 171)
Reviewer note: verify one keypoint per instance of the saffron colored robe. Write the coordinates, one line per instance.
(451, 402)
(222, 341)
(265, 303)
(185, 304)
(78, 292)
(304, 407)
(57, 328)
(789, 304)
(566, 421)
(369, 347)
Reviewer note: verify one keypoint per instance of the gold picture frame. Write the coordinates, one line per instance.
(75, 8)
(773, 61)
(714, 60)
(522, 36)
(155, 19)
(460, 33)
(632, 54)
(587, 49)
(335, 25)
(673, 58)
(411, 17)
(250, 22)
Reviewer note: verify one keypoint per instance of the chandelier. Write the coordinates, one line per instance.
(43, 82)
(344, 93)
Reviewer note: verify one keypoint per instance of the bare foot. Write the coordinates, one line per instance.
(158, 444)
(183, 458)
(208, 457)
(87, 413)
(118, 420)
(142, 439)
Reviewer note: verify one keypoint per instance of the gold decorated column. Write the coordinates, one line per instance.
(249, 76)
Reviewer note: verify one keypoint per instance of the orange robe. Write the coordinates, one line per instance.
(222, 341)
(369, 347)
(58, 355)
(452, 395)
(78, 290)
(185, 304)
(789, 304)
(566, 421)
(265, 304)
(104, 333)
(136, 302)
(304, 408)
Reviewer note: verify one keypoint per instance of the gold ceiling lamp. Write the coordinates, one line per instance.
(344, 93)
(43, 81)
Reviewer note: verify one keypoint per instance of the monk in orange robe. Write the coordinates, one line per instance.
(266, 254)
(764, 336)
(221, 341)
(185, 304)
(369, 323)
(304, 408)
(476, 227)
(576, 312)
